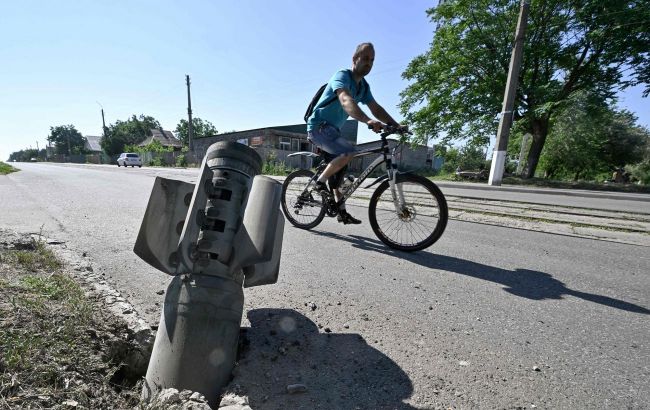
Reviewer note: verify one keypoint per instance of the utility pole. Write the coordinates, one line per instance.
(103, 124)
(103, 121)
(189, 113)
(501, 144)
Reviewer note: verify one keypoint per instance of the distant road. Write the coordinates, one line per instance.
(488, 317)
(620, 201)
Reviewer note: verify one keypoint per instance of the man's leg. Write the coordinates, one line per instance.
(335, 166)
(329, 139)
(343, 216)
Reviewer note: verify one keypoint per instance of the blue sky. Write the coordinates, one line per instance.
(252, 63)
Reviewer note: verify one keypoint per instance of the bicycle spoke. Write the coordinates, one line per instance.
(299, 204)
(418, 220)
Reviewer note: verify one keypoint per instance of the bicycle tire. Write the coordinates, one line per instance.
(429, 198)
(293, 207)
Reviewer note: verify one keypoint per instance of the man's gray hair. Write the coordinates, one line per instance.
(360, 48)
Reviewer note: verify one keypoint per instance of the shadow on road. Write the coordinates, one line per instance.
(341, 371)
(526, 283)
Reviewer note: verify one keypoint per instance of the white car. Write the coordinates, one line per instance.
(128, 158)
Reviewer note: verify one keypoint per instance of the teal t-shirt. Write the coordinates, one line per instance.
(333, 113)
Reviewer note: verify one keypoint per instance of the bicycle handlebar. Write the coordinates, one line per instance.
(391, 129)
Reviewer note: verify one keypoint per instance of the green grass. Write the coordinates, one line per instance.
(38, 257)
(276, 168)
(587, 185)
(41, 301)
(7, 169)
(46, 315)
(51, 334)
(547, 183)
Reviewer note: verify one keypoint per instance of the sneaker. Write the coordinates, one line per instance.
(345, 218)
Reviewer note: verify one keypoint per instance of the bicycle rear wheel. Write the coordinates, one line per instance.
(421, 221)
(302, 207)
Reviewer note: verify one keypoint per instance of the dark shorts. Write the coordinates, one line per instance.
(329, 139)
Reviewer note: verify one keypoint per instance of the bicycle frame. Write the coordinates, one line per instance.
(391, 171)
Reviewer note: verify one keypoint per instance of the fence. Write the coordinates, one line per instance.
(148, 158)
(168, 158)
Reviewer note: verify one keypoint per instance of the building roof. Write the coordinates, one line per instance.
(166, 138)
(349, 130)
(93, 143)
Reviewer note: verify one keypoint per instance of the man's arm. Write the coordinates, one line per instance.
(352, 108)
(381, 114)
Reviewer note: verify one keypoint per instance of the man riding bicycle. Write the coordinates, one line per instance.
(340, 99)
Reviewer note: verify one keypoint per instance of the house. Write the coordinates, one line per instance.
(274, 142)
(93, 148)
(92, 144)
(166, 139)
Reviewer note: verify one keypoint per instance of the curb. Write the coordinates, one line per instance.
(623, 196)
(631, 196)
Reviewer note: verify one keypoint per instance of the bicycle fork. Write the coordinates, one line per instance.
(397, 192)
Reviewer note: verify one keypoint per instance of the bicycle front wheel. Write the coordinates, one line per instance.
(302, 207)
(419, 223)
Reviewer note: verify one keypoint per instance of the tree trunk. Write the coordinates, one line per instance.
(539, 129)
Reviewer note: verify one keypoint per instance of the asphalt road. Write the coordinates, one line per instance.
(488, 317)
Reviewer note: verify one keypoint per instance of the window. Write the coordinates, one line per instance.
(285, 143)
(295, 144)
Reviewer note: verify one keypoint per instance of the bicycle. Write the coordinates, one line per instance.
(403, 203)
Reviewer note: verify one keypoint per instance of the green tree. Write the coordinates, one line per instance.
(641, 171)
(26, 154)
(154, 146)
(626, 141)
(200, 129)
(589, 138)
(457, 86)
(574, 142)
(66, 140)
(130, 132)
(470, 157)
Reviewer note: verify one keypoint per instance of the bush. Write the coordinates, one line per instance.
(156, 162)
(181, 161)
(641, 172)
(272, 166)
(276, 168)
(469, 157)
